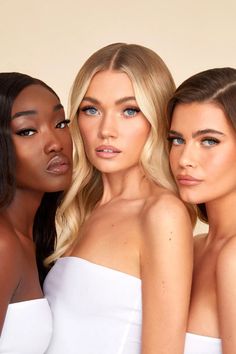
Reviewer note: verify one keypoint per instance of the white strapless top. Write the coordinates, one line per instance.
(96, 310)
(197, 344)
(27, 328)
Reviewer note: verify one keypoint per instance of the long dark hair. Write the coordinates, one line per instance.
(44, 230)
(214, 85)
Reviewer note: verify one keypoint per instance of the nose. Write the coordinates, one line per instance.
(108, 127)
(188, 157)
(52, 142)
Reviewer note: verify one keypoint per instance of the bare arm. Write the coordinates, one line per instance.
(226, 295)
(166, 271)
(9, 272)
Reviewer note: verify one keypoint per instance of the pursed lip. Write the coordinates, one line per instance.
(188, 180)
(58, 165)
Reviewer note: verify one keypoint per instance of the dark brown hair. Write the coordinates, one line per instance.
(216, 86)
(44, 231)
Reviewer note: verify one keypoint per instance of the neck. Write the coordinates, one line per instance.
(127, 184)
(22, 210)
(221, 217)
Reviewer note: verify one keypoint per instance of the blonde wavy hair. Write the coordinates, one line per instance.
(153, 86)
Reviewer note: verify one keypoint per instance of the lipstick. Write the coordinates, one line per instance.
(58, 165)
(107, 151)
(187, 180)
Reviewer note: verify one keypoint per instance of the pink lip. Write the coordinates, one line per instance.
(58, 165)
(187, 180)
(107, 151)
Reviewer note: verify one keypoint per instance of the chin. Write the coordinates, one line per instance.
(59, 186)
(191, 198)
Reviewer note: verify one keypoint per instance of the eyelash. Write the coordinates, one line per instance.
(172, 138)
(205, 139)
(210, 139)
(86, 110)
(66, 122)
(135, 111)
(25, 132)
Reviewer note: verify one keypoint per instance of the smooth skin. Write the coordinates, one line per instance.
(137, 227)
(39, 132)
(204, 147)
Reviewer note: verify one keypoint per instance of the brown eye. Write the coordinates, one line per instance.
(26, 132)
(63, 124)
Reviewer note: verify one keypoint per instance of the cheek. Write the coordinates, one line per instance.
(225, 168)
(85, 136)
(68, 145)
(86, 132)
(174, 159)
(139, 134)
(219, 163)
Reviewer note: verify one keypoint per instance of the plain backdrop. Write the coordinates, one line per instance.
(50, 39)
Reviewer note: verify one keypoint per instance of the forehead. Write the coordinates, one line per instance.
(34, 97)
(112, 83)
(199, 116)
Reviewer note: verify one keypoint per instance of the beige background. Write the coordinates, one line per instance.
(50, 39)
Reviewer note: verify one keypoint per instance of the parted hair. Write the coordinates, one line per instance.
(216, 86)
(153, 86)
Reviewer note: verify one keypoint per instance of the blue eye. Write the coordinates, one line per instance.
(63, 124)
(176, 140)
(210, 141)
(90, 111)
(131, 112)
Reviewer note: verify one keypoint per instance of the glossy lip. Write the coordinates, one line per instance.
(187, 180)
(107, 151)
(58, 165)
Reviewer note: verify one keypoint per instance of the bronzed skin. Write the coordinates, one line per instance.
(40, 134)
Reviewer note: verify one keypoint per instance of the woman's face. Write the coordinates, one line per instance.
(42, 141)
(203, 152)
(112, 127)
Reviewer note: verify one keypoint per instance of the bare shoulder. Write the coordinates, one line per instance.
(165, 209)
(226, 293)
(165, 218)
(11, 256)
(226, 258)
(10, 251)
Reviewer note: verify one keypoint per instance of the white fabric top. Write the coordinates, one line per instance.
(27, 328)
(96, 310)
(196, 344)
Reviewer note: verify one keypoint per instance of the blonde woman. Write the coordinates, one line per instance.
(121, 281)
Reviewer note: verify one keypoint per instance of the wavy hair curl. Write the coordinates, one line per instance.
(153, 86)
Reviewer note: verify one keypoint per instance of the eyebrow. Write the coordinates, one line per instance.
(56, 108)
(121, 100)
(197, 133)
